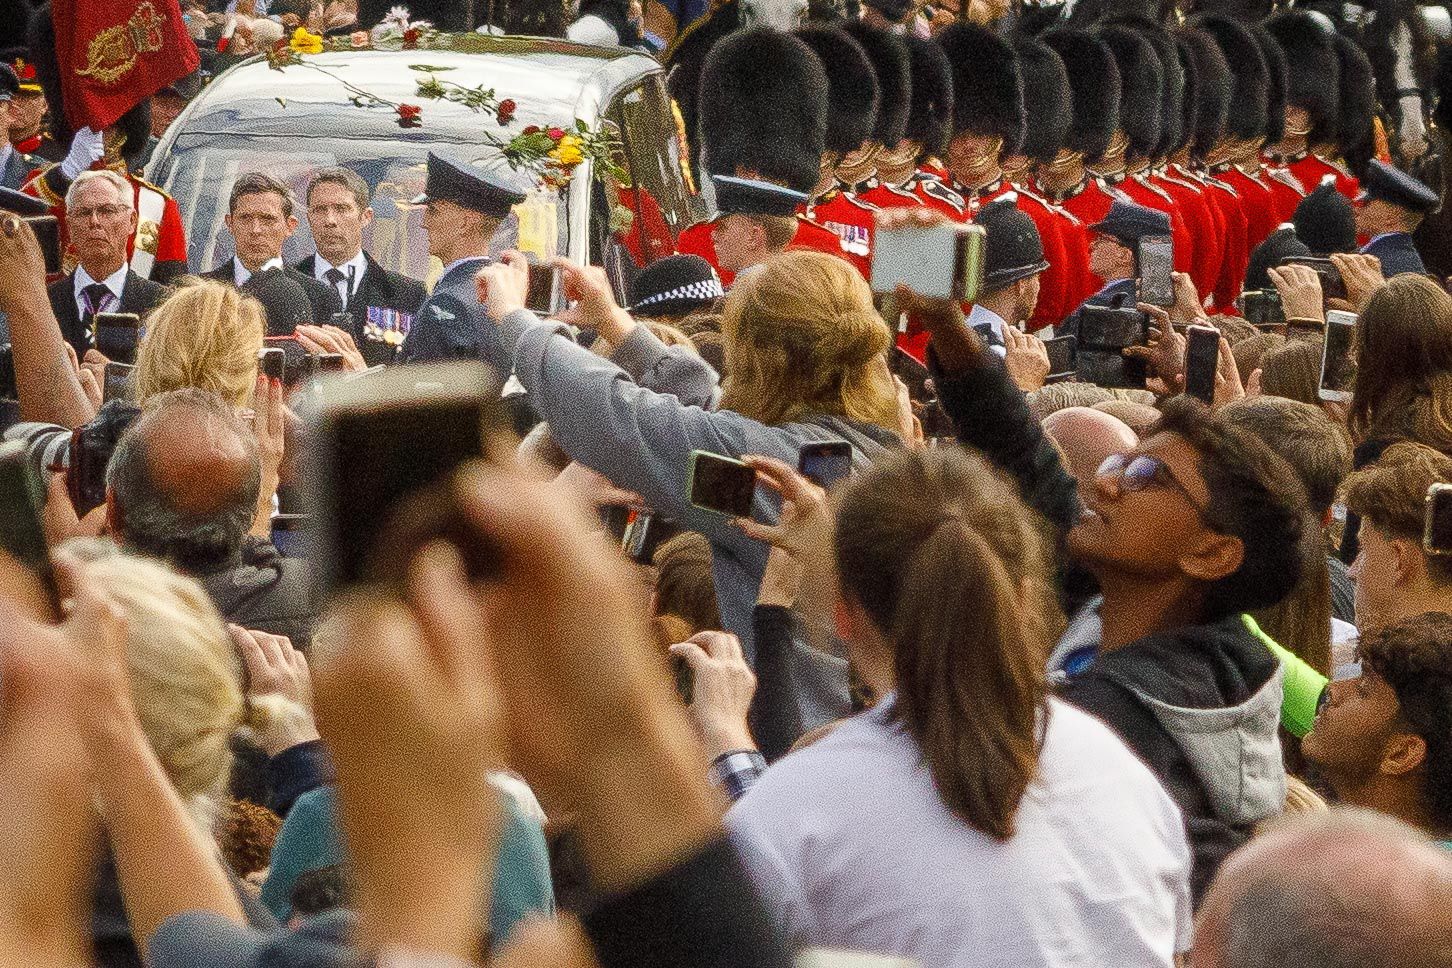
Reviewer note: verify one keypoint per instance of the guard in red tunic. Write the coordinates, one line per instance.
(988, 116)
(1313, 106)
(1048, 115)
(1066, 180)
(1248, 130)
(762, 113)
(28, 134)
(900, 181)
(1141, 101)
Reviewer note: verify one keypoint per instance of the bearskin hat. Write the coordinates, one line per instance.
(931, 115)
(987, 89)
(1172, 85)
(1278, 85)
(763, 107)
(1358, 96)
(1142, 89)
(889, 56)
(1249, 78)
(1048, 103)
(853, 97)
(1313, 69)
(1094, 83)
(1207, 89)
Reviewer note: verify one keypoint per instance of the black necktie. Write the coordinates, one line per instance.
(96, 295)
(335, 276)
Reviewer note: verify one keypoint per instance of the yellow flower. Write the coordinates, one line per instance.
(568, 152)
(306, 43)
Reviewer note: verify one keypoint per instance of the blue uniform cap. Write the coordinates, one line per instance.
(1129, 222)
(750, 196)
(469, 187)
(1389, 184)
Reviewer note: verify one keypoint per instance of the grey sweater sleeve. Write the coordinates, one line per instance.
(668, 369)
(639, 439)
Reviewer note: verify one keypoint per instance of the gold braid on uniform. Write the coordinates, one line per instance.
(669, 52)
(47, 191)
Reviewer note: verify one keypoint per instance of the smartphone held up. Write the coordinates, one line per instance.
(936, 261)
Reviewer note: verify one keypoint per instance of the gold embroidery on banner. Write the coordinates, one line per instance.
(148, 236)
(112, 53)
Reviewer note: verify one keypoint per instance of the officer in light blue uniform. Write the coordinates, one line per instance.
(1393, 204)
(465, 206)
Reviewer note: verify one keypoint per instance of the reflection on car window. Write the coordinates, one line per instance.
(201, 170)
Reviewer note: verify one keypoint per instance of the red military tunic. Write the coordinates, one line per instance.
(1142, 192)
(936, 194)
(1237, 251)
(163, 236)
(882, 195)
(1203, 222)
(1256, 201)
(1088, 203)
(852, 220)
(1286, 189)
(1311, 170)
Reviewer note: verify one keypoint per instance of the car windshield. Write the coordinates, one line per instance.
(291, 124)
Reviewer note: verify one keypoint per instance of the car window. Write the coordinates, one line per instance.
(201, 169)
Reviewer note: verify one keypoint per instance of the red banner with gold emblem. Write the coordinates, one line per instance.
(114, 54)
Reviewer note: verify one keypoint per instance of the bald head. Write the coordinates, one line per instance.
(1085, 437)
(184, 481)
(1336, 890)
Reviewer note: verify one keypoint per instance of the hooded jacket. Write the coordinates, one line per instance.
(1200, 705)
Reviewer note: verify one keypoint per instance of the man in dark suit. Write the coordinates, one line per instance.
(381, 303)
(100, 210)
(260, 218)
(1393, 204)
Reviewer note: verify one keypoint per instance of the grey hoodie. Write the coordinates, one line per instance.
(1201, 706)
(641, 439)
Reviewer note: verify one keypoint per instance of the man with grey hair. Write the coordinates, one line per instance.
(1347, 889)
(101, 215)
(182, 485)
(380, 303)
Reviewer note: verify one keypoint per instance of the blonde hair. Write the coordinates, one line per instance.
(205, 335)
(186, 678)
(803, 339)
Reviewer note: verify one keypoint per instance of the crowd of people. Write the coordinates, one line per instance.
(1119, 633)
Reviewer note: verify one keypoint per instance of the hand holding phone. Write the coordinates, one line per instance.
(720, 484)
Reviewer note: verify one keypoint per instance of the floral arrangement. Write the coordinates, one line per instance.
(551, 154)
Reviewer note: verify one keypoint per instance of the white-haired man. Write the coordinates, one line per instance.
(101, 213)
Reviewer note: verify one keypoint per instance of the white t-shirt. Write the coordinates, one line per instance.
(852, 847)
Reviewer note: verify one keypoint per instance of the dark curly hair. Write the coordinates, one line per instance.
(1256, 497)
(1414, 657)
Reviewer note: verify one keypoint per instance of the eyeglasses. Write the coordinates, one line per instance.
(1135, 472)
(104, 211)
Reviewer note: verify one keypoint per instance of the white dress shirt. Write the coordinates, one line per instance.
(978, 316)
(240, 273)
(116, 282)
(352, 270)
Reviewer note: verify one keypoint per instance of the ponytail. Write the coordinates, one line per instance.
(952, 569)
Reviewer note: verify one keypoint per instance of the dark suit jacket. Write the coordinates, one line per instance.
(1397, 254)
(381, 289)
(138, 296)
(321, 296)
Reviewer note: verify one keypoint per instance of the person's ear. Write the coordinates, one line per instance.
(1213, 557)
(135, 220)
(1411, 563)
(291, 224)
(367, 217)
(1404, 753)
(227, 221)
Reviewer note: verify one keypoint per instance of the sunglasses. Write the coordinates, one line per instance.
(1136, 472)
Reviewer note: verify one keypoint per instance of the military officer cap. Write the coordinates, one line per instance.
(468, 187)
(1389, 184)
(1128, 222)
(751, 196)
